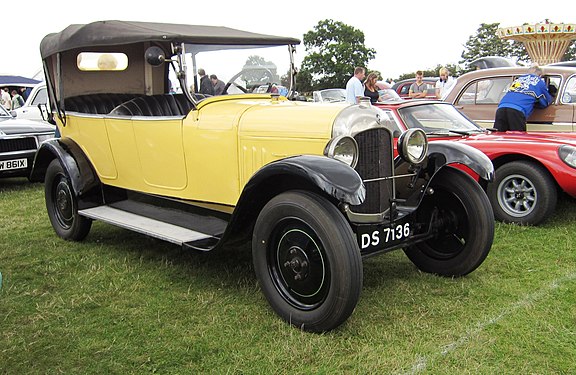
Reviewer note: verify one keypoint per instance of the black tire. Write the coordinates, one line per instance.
(62, 205)
(523, 193)
(307, 261)
(465, 221)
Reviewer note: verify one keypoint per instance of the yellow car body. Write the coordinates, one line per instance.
(254, 130)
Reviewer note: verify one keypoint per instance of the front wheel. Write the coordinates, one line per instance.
(522, 193)
(62, 205)
(307, 261)
(464, 224)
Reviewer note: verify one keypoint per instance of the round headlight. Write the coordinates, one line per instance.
(568, 155)
(343, 148)
(413, 146)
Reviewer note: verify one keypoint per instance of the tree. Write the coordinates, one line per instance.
(333, 50)
(570, 52)
(487, 43)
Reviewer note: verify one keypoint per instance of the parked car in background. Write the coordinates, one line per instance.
(19, 140)
(403, 87)
(339, 95)
(329, 95)
(35, 106)
(17, 83)
(571, 63)
(313, 187)
(487, 62)
(531, 168)
(477, 94)
(272, 88)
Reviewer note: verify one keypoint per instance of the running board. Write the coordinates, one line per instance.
(151, 227)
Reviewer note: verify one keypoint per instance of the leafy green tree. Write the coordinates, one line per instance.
(487, 43)
(455, 70)
(570, 52)
(304, 81)
(333, 50)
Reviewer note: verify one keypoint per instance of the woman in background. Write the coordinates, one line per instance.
(370, 88)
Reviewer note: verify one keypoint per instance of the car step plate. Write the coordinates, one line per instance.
(141, 224)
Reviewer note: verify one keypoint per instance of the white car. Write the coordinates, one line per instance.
(329, 95)
(30, 109)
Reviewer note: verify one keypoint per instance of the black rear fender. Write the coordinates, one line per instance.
(82, 176)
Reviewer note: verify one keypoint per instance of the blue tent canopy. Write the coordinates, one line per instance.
(17, 81)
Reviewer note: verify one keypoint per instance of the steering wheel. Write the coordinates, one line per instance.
(232, 80)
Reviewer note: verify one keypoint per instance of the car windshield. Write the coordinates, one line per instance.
(333, 95)
(388, 95)
(243, 69)
(438, 118)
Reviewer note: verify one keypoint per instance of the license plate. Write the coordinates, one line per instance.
(6, 165)
(373, 238)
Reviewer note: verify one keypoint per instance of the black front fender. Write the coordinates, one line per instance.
(73, 160)
(313, 173)
(329, 175)
(442, 153)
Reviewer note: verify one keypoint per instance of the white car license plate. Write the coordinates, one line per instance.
(6, 165)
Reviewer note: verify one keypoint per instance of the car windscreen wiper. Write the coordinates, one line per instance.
(461, 132)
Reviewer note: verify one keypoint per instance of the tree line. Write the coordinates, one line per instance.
(333, 47)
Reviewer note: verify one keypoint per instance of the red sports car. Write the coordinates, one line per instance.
(531, 168)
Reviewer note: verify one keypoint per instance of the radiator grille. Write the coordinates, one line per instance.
(17, 144)
(375, 161)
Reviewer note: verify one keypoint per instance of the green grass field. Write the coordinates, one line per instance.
(123, 303)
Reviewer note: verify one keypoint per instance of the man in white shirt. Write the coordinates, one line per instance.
(354, 87)
(6, 100)
(444, 84)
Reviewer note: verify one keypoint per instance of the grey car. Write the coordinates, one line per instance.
(19, 140)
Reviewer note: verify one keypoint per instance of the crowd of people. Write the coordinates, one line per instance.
(12, 99)
(361, 85)
(527, 92)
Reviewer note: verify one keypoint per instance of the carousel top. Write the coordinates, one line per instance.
(538, 30)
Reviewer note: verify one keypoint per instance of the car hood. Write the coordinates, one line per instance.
(19, 126)
(518, 138)
(296, 119)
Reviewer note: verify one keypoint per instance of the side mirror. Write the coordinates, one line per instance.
(154, 56)
(13, 113)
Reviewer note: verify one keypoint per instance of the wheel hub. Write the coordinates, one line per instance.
(297, 263)
(63, 204)
(517, 195)
(62, 201)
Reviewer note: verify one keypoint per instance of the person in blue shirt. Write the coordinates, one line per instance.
(525, 93)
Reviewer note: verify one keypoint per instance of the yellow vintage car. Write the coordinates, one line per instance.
(316, 188)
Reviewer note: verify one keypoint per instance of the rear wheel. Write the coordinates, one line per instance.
(522, 193)
(307, 261)
(464, 222)
(62, 205)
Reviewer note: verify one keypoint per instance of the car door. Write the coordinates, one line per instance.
(30, 109)
(479, 100)
(558, 116)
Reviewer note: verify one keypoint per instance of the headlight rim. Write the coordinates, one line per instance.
(564, 151)
(330, 150)
(403, 143)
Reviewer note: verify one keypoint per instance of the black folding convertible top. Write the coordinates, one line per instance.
(106, 33)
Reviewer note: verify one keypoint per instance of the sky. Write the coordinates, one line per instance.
(407, 35)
